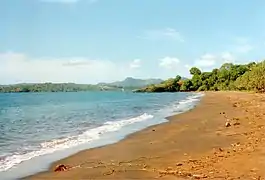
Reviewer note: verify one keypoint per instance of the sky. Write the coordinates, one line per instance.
(91, 41)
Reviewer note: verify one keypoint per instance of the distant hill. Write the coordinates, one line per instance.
(127, 84)
(132, 82)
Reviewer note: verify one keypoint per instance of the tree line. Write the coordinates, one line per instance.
(59, 87)
(242, 77)
(47, 87)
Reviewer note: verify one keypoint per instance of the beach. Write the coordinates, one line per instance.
(221, 138)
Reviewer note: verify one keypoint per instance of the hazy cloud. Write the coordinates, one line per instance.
(187, 66)
(136, 63)
(169, 62)
(16, 68)
(77, 62)
(162, 34)
(207, 60)
(227, 57)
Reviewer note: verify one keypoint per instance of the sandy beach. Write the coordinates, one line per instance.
(222, 138)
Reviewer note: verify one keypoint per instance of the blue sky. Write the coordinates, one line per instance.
(89, 41)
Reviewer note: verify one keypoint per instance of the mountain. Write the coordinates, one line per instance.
(132, 82)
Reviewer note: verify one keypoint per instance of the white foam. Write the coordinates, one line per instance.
(64, 143)
(187, 103)
(192, 98)
(90, 135)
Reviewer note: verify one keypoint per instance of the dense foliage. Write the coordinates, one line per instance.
(250, 77)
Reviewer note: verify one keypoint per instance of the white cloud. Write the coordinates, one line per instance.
(17, 68)
(227, 57)
(187, 66)
(207, 60)
(172, 66)
(136, 63)
(161, 34)
(210, 60)
(169, 62)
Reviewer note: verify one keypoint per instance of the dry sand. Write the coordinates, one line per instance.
(192, 145)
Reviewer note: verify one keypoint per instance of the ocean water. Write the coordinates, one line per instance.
(44, 127)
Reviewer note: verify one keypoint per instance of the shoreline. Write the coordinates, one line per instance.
(192, 101)
(25, 169)
(164, 150)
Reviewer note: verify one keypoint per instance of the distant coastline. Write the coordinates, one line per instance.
(53, 87)
(128, 84)
(229, 77)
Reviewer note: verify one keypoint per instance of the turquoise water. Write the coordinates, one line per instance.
(38, 124)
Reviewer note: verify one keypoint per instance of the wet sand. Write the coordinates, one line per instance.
(193, 145)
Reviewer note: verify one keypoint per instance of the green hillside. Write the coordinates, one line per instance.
(132, 82)
(244, 77)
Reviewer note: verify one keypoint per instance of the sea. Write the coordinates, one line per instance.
(37, 129)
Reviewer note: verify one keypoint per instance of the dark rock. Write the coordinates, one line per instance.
(179, 164)
(236, 124)
(61, 167)
(220, 149)
(227, 124)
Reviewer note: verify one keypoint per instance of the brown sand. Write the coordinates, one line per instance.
(192, 145)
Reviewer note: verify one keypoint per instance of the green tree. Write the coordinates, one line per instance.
(196, 82)
(227, 66)
(195, 71)
(186, 85)
(177, 78)
(229, 76)
(254, 79)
